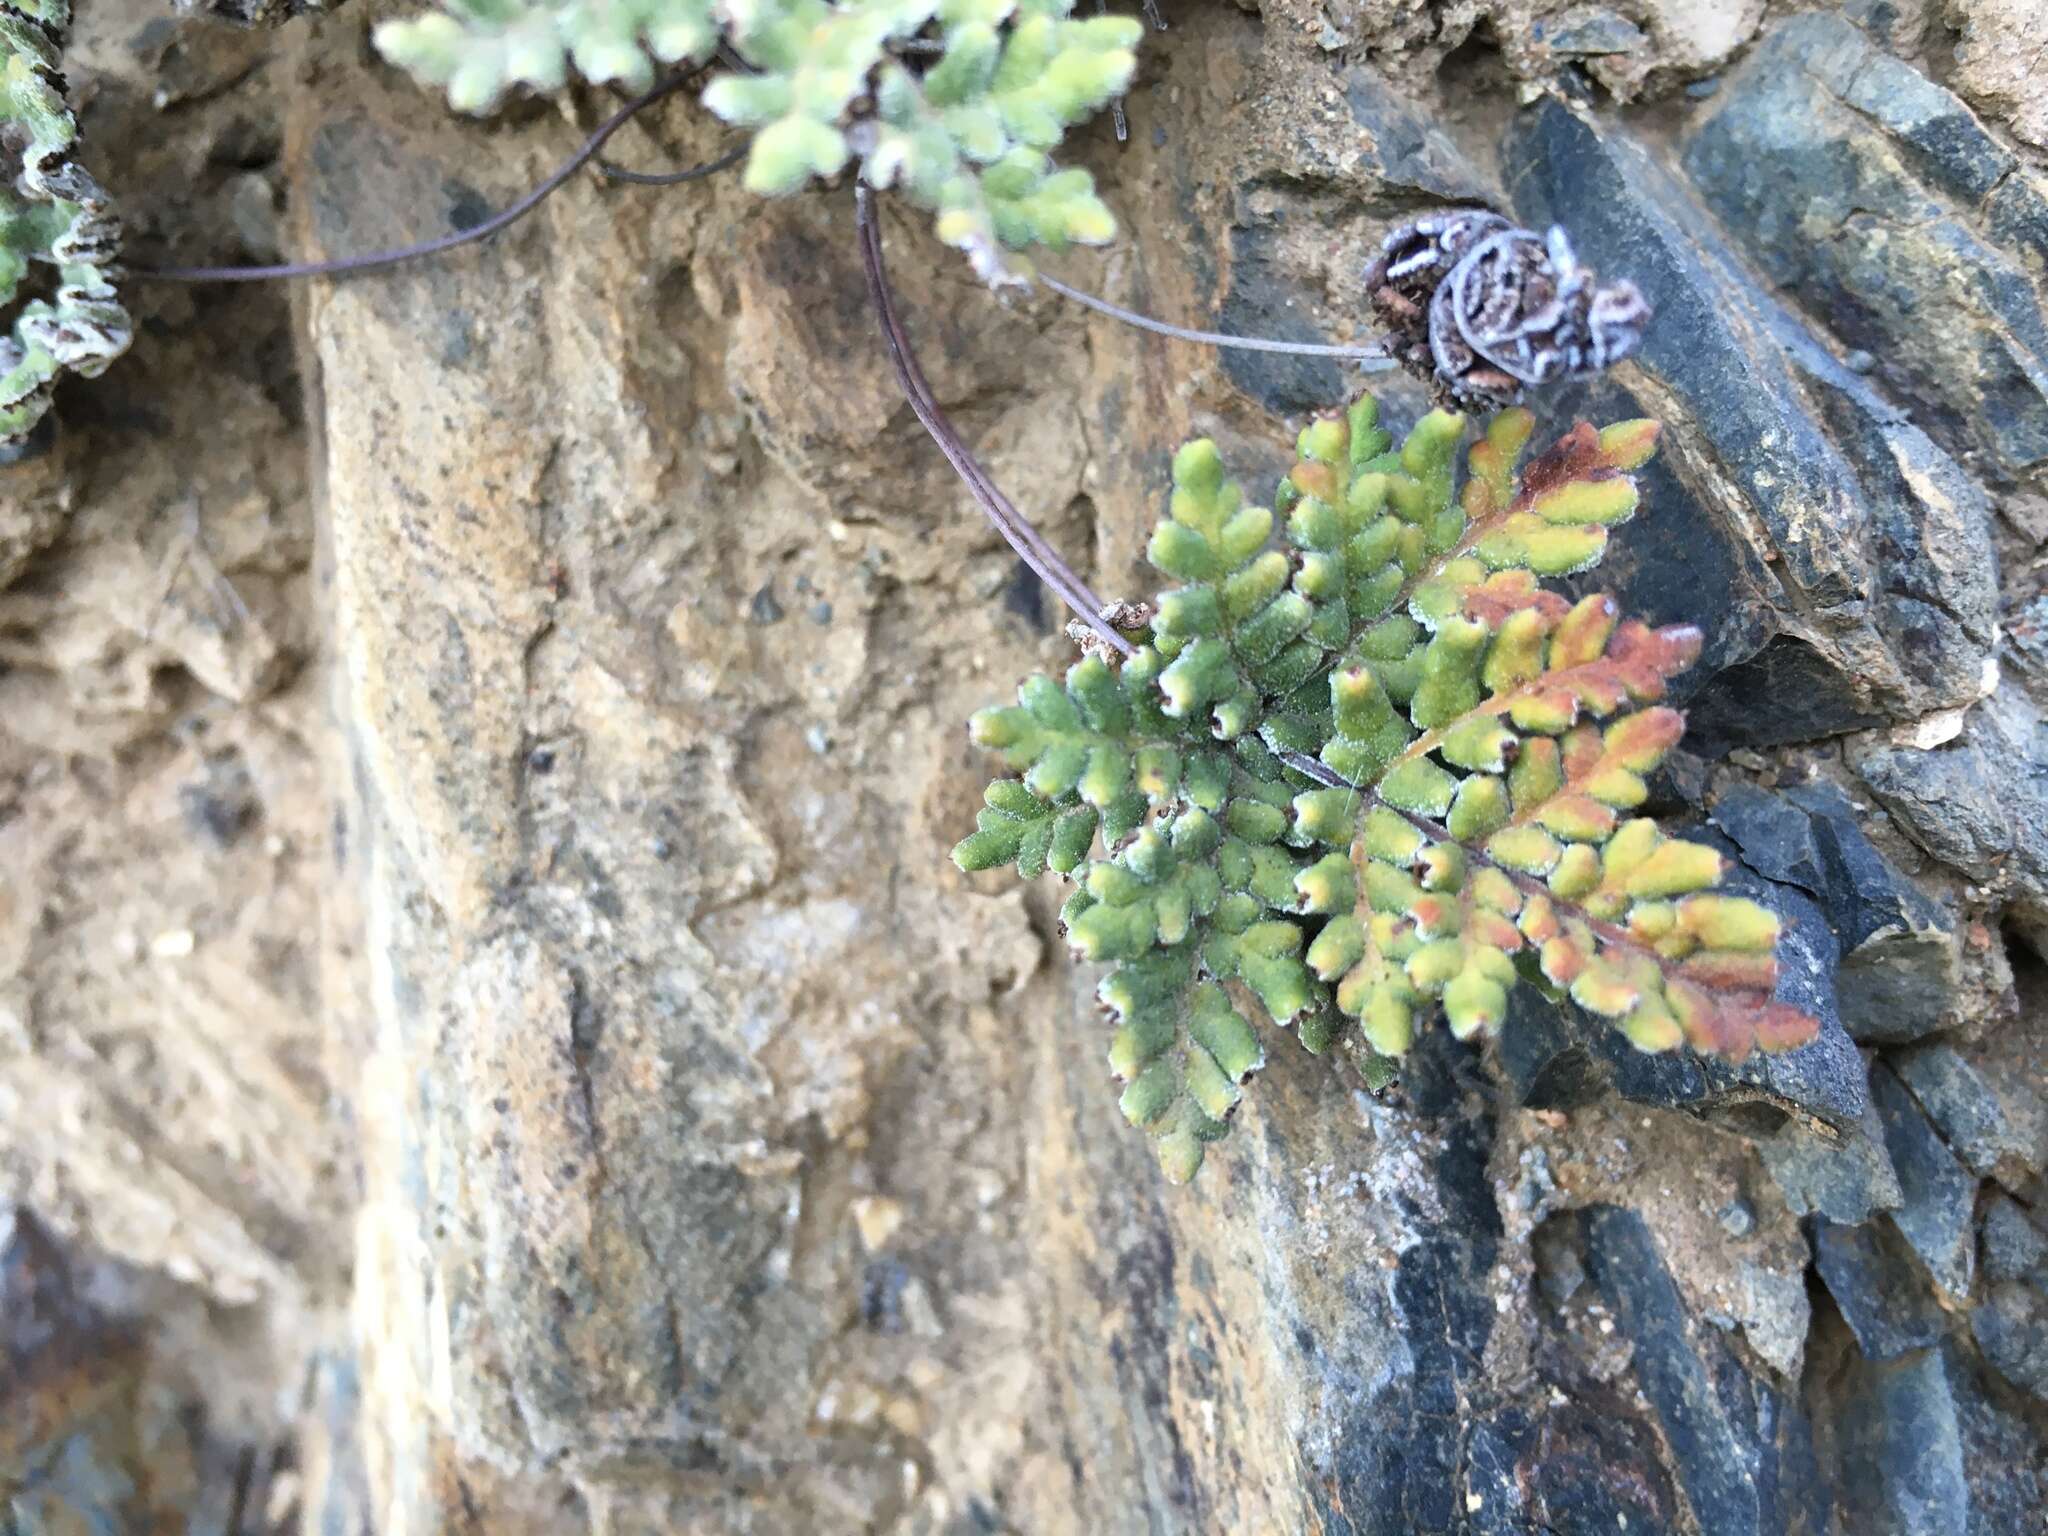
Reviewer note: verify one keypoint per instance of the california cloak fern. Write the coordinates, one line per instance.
(955, 101)
(1375, 774)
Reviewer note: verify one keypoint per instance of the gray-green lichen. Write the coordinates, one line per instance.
(54, 223)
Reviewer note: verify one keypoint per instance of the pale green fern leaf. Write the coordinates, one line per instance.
(963, 131)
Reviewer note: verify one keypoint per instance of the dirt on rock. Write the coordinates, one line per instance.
(490, 1037)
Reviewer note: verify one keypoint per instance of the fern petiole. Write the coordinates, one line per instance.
(724, 162)
(1015, 528)
(1375, 352)
(342, 266)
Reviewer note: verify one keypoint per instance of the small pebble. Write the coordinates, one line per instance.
(764, 609)
(1737, 1219)
(1700, 90)
(173, 944)
(877, 1217)
(1859, 361)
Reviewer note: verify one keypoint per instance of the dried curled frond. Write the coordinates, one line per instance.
(1490, 739)
(52, 214)
(1483, 309)
(955, 101)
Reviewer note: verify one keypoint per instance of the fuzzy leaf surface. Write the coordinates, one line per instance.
(1387, 626)
(832, 85)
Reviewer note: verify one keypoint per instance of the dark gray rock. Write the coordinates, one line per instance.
(2026, 648)
(1778, 1440)
(1874, 231)
(2013, 1246)
(1589, 33)
(1713, 1464)
(1776, 1315)
(1555, 1249)
(1789, 690)
(1547, 1056)
(1898, 1450)
(1884, 1296)
(1805, 523)
(1996, 1125)
(1581, 1464)
(2016, 214)
(1398, 145)
(1981, 804)
(2002, 1462)
(1395, 1463)
(1261, 301)
(1624, 217)
(68, 1376)
(2011, 1327)
(1901, 964)
(1846, 1176)
(1937, 1194)
(1775, 838)
(1931, 530)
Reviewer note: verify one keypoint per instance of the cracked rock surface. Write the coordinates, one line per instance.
(490, 1040)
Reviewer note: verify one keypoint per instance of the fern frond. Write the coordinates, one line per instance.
(1183, 1051)
(1202, 857)
(52, 213)
(831, 84)
(1502, 833)
(1489, 738)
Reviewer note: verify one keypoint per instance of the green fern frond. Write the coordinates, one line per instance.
(1491, 739)
(832, 84)
(52, 213)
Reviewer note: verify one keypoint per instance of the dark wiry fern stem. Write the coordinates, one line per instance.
(1379, 351)
(342, 266)
(1015, 528)
(724, 162)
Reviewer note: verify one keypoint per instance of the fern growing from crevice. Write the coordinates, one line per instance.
(956, 102)
(1371, 770)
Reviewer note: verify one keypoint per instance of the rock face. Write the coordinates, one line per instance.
(489, 1037)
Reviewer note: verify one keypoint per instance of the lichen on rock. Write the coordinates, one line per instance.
(52, 215)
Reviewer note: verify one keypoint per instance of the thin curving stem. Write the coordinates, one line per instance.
(1376, 351)
(724, 162)
(343, 265)
(911, 376)
(1015, 528)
